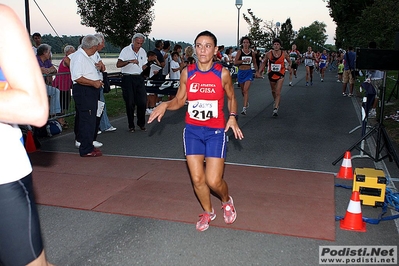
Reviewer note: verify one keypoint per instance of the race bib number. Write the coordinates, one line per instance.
(203, 110)
(275, 67)
(323, 61)
(247, 60)
(292, 58)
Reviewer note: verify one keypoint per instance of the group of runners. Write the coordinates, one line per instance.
(278, 61)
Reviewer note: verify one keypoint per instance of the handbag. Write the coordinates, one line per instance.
(107, 85)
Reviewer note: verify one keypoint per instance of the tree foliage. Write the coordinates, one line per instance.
(263, 32)
(314, 35)
(385, 16)
(258, 32)
(361, 21)
(58, 43)
(118, 20)
(287, 34)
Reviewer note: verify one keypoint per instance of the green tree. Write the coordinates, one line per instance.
(379, 23)
(262, 33)
(313, 35)
(258, 33)
(118, 20)
(287, 34)
(346, 15)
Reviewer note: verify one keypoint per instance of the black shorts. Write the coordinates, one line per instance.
(20, 235)
(311, 68)
(275, 76)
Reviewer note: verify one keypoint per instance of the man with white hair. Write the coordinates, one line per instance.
(131, 60)
(86, 92)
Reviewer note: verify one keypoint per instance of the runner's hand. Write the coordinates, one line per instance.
(232, 123)
(157, 112)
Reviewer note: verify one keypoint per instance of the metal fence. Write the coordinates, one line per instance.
(59, 91)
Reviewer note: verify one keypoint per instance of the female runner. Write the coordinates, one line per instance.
(204, 85)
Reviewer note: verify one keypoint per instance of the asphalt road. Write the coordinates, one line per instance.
(311, 131)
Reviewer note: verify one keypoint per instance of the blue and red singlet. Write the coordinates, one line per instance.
(205, 96)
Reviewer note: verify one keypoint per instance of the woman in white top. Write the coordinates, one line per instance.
(309, 58)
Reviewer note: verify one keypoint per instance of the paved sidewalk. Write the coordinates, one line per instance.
(311, 131)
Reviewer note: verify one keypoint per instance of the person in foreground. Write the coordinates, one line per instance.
(22, 101)
(204, 85)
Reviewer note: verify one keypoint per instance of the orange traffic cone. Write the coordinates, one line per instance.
(30, 145)
(346, 171)
(353, 218)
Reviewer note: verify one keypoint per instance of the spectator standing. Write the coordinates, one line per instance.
(37, 41)
(131, 60)
(48, 69)
(151, 60)
(349, 72)
(160, 57)
(175, 66)
(178, 48)
(63, 81)
(104, 124)
(151, 97)
(22, 101)
(86, 93)
(205, 131)
(189, 52)
(166, 57)
(163, 60)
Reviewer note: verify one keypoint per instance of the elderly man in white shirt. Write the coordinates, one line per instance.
(86, 93)
(131, 60)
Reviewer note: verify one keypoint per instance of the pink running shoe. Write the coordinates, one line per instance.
(205, 219)
(230, 214)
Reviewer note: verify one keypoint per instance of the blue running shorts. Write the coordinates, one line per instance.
(245, 75)
(210, 142)
(20, 235)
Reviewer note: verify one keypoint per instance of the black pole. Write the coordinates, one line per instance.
(27, 18)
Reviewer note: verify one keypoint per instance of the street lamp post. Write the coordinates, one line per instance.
(238, 5)
(27, 16)
(277, 28)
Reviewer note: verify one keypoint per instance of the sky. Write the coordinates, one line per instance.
(182, 20)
